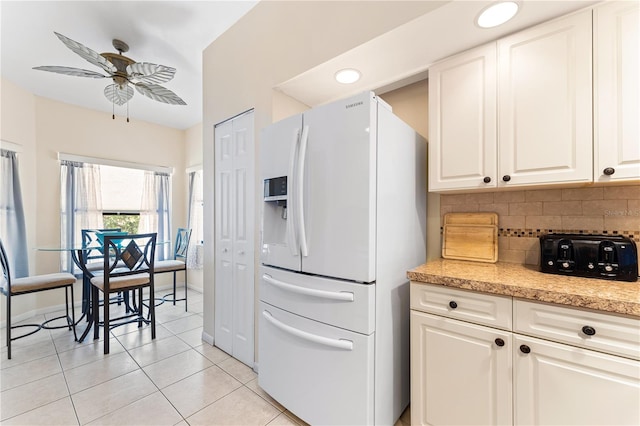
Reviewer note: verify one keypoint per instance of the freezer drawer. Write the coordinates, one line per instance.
(322, 374)
(339, 303)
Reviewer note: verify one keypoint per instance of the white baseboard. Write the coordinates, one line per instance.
(207, 338)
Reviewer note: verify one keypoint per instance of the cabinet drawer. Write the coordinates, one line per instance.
(580, 327)
(484, 309)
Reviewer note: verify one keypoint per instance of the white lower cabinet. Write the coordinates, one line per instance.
(472, 374)
(460, 372)
(564, 385)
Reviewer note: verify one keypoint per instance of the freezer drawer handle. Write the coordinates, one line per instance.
(333, 295)
(334, 343)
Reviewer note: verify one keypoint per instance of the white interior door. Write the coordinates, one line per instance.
(234, 230)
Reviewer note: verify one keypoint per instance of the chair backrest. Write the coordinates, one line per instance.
(6, 272)
(129, 254)
(182, 243)
(90, 237)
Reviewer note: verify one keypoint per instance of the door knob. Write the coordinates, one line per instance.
(486, 179)
(241, 252)
(525, 349)
(224, 250)
(499, 342)
(506, 178)
(609, 171)
(453, 305)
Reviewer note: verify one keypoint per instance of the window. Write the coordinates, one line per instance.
(98, 193)
(196, 221)
(121, 190)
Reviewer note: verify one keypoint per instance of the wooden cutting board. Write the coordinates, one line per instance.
(470, 236)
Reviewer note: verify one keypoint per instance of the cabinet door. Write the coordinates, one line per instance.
(462, 121)
(561, 384)
(617, 92)
(459, 372)
(545, 105)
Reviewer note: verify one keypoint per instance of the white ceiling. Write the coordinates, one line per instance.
(172, 33)
(175, 33)
(403, 55)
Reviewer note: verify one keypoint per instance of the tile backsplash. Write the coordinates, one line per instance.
(525, 215)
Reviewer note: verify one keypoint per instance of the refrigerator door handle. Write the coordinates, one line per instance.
(314, 338)
(304, 249)
(292, 238)
(332, 295)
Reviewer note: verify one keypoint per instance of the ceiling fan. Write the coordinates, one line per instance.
(125, 72)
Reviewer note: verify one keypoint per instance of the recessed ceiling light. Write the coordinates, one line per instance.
(347, 76)
(497, 14)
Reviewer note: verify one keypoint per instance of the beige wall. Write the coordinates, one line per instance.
(274, 42)
(45, 127)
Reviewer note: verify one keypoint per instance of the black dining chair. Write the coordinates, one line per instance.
(127, 265)
(177, 264)
(12, 287)
(93, 256)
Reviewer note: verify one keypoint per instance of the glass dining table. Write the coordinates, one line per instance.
(80, 254)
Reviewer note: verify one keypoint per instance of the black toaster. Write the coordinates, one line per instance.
(612, 257)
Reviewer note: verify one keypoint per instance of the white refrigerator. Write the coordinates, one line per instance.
(343, 219)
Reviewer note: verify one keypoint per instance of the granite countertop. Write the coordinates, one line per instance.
(527, 282)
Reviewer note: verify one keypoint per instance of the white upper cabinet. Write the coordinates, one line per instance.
(616, 91)
(557, 103)
(544, 103)
(462, 121)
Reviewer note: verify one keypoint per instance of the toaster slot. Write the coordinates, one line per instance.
(608, 259)
(566, 259)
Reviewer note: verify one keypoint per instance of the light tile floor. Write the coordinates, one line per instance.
(176, 379)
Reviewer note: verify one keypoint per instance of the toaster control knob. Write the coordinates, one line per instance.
(565, 264)
(609, 171)
(550, 263)
(591, 265)
(608, 268)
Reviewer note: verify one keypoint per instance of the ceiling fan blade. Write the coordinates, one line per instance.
(118, 96)
(71, 71)
(94, 57)
(148, 73)
(159, 93)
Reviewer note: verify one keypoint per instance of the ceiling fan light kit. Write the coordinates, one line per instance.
(125, 73)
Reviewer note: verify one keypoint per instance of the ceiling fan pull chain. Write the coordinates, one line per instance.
(127, 111)
(113, 111)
